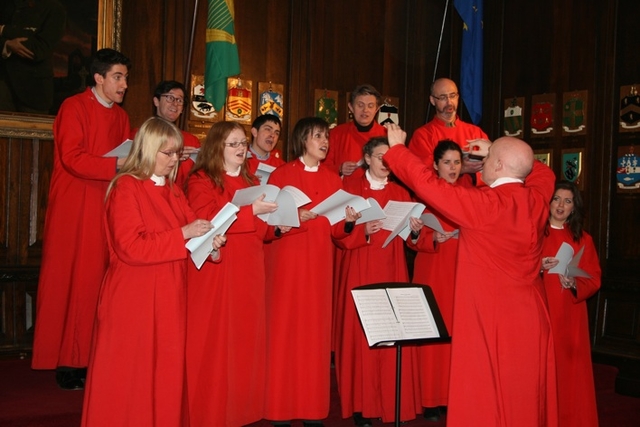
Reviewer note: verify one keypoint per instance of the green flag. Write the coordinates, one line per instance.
(222, 52)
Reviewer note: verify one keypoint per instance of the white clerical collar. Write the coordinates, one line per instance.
(505, 180)
(555, 227)
(234, 173)
(309, 168)
(159, 180)
(100, 100)
(374, 183)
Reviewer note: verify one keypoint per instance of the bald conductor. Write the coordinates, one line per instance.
(502, 359)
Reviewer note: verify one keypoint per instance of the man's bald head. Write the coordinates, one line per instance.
(508, 157)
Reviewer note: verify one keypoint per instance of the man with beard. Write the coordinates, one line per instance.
(446, 125)
(346, 140)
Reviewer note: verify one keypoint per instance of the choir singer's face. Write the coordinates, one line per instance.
(449, 166)
(167, 158)
(316, 146)
(377, 167)
(235, 150)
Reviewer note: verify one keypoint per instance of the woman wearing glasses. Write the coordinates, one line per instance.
(366, 376)
(435, 265)
(136, 372)
(299, 286)
(226, 317)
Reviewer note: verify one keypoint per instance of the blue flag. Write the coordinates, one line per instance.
(222, 52)
(471, 62)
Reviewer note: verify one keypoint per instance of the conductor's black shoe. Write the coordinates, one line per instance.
(312, 424)
(69, 378)
(432, 414)
(361, 421)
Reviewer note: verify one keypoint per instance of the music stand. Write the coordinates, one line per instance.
(434, 332)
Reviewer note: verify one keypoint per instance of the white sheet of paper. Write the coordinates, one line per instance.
(289, 199)
(200, 247)
(333, 207)
(263, 172)
(121, 151)
(373, 213)
(392, 314)
(567, 263)
(431, 221)
(397, 220)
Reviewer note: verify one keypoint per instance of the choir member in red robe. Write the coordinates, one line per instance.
(299, 286)
(367, 376)
(567, 299)
(226, 317)
(265, 131)
(346, 140)
(75, 253)
(169, 98)
(136, 372)
(435, 265)
(446, 124)
(502, 356)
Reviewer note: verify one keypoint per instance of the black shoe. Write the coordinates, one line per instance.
(432, 414)
(69, 378)
(312, 424)
(361, 421)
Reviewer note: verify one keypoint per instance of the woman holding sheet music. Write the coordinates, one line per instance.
(136, 370)
(435, 265)
(226, 357)
(366, 376)
(567, 297)
(299, 286)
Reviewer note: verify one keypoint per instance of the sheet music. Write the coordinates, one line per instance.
(392, 314)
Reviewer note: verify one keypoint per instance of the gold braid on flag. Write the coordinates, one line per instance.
(217, 35)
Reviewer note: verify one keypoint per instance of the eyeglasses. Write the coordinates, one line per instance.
(172, 99)
(172, 153)
(377, 156)
(443, 98)
(237, 144)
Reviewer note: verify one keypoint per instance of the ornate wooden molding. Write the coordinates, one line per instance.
(19, 125)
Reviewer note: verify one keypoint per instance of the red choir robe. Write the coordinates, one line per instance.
(426, 138)
(299, 288)
(346, 142)
(366, 376)
(275, 159)
(226, 358)
(435, 266)
(503, 369)
(570, 326)
(136, 373)
(189, 140)
(74, 252)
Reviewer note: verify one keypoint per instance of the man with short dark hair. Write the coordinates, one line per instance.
(265, 131)
(346, 140)
(74, 253)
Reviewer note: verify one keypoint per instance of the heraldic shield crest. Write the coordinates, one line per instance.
(574, 114)
(327, 106)
(239, 100)
(513, 122)
(629, 109)
(628, 170)
(572, 166)
(271, 99)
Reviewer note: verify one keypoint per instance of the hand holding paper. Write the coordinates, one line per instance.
(201, 247)
(567, 263)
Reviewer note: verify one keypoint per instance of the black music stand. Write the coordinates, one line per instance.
(437, 323)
